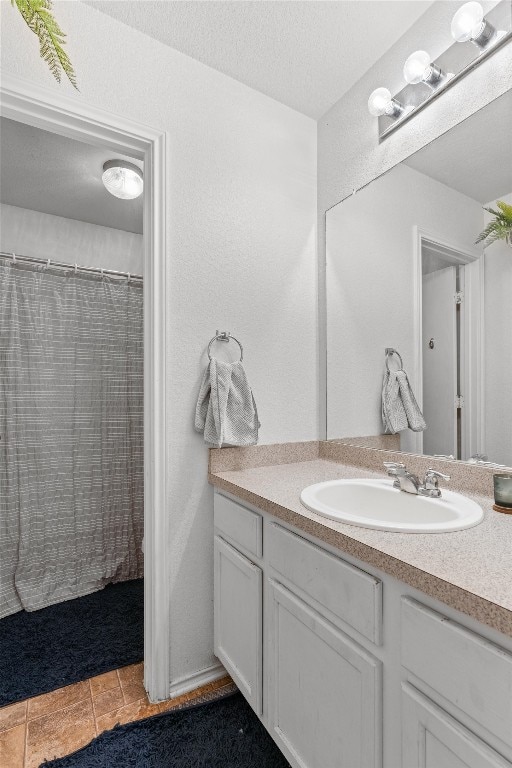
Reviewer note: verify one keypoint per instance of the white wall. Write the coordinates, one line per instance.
(498, 347)
(349, 154)
(242, 242)
(44, 236)
(370, 286)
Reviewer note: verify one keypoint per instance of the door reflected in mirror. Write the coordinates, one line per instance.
(407, 270)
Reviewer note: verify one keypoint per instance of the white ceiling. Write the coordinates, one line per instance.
(53, 174)
(60, 176)
(304, 54)
(474, 157)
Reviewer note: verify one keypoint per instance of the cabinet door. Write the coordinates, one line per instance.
(324, 691)
(238, 619)
(431, 738)
(465, 669)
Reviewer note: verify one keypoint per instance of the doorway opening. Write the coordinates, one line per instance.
(71, 409)
(51, 111)
(450, 348)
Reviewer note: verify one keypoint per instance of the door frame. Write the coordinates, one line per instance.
(52, 111)
(472, 347)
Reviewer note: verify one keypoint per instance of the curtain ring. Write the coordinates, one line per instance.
(47, 264)
(76, 269)
(13, 258)
(129, 277)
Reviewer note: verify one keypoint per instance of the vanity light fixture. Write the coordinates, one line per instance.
(381, 103)
(419, 68)
(427, 78)
(122, 179)
(469, 23)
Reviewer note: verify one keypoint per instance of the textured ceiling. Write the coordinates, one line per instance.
(53, 174)
(304, 54)
(474, 157)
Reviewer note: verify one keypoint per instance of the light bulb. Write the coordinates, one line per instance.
(469, 24)
(419, 69)
(122, 179)
(381, 103)
(378, 101)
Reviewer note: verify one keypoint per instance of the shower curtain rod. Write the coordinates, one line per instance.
(63, 265)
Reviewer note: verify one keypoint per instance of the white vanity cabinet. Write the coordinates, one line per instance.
(238, 597)
(457, 697)
(432, 738)
(238, 622)
(323, 690)
(337, 681)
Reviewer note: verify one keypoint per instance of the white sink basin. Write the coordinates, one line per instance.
(376, 504)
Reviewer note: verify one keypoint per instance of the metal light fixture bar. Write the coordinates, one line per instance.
(458, 60)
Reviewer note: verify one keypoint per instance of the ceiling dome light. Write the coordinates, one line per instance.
(419, 69)
(122, 179)
(469, 24)
(381, 103)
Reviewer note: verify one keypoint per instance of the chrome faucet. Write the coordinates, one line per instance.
(410, 483)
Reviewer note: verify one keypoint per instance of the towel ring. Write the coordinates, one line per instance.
(390, 351)
(225, 337)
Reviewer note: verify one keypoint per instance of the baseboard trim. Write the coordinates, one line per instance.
(196, 680)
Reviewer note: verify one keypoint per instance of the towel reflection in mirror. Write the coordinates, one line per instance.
(399, 407)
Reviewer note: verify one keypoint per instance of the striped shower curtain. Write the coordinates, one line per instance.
(71, 434)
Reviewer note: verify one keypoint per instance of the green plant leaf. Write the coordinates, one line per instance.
(506, 210)
(38, 17)
(500, 228)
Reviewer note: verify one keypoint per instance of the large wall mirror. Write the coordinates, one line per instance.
(405, 274)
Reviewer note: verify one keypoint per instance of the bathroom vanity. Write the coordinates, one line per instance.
(347, 664)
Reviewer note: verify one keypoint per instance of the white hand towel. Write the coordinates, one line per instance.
(394, 417)
(399, 407)
(226, 412)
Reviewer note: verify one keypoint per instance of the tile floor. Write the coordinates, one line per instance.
(60, 722)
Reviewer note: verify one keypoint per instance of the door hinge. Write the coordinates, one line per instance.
(459, 402)
(459, 297)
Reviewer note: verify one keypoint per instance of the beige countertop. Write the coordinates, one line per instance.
(469, 570)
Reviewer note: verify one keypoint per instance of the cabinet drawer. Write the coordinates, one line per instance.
(352, 595)
(239, 525)
(467, 670)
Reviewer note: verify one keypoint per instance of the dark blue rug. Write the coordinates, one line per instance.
(220, 734)
(65, 643)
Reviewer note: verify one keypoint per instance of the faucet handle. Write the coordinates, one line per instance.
(394, 467)
(432, 477)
